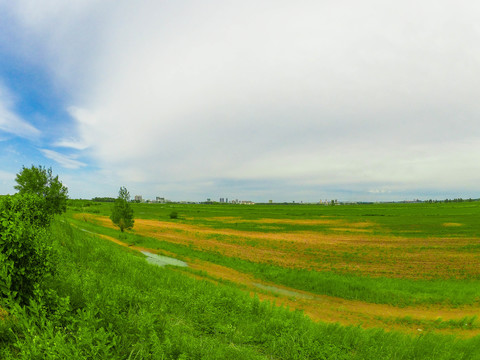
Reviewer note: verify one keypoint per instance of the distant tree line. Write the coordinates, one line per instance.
(452, 200)
(104, 199)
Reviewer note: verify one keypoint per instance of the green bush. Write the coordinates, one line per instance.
(28, 208)
(173, 215)
(25, 252)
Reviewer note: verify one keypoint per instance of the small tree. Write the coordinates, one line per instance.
(40, 181)
(122, 213)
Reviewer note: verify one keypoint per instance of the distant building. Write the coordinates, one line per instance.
(138, 198)
(242, 202)
(160, 200)
(222, 200)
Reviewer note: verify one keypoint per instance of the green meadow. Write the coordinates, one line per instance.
(104, 301)
(411, 220)
(398, 292)
(111, 304)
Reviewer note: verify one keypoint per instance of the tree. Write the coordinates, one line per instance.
(40, 181)
(122, 213)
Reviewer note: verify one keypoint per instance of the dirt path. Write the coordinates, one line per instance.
(418, 319)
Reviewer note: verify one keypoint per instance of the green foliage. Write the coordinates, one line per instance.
(29, 208)
(173, 215)
(40, 181)
(25, 253)
(122, 213)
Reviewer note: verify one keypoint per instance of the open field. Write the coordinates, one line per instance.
(408, 267)
(280, 282)
(106, 302)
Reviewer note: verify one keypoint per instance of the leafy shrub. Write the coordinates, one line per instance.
(28, 208)
(25, 253)
(173, 215)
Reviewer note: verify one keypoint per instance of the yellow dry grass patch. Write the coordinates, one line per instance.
(452, 224)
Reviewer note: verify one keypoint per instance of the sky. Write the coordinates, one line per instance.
(251, 100)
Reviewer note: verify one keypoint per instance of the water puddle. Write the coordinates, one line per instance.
(163, 260)
(154, 259)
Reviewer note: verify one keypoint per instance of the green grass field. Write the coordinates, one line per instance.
(106, 301)
(412, 220)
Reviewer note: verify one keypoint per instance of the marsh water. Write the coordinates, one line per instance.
(163, 260)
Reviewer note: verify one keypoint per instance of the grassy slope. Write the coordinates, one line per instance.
(120, 307)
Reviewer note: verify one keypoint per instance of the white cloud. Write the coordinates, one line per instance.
(71, 143)
(66, 161)
(10, 122)
(350, 93)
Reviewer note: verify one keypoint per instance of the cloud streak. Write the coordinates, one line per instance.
(71, 143)
(66, 161)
